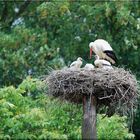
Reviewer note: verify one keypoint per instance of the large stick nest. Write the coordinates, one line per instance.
(110, 87)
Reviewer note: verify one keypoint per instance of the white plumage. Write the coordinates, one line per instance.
(100, 63)
(89, 67)
(103, 49)
(77, 63)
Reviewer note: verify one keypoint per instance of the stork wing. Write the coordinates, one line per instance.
(72, 64)
(111, 54)
(106, 63)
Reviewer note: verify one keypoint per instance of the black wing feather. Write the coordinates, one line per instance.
(111, 54)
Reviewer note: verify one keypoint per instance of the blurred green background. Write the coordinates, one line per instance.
(38, 36)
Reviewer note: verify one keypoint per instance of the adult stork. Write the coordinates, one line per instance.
(101, 63)
(103, 49)
(77, 63)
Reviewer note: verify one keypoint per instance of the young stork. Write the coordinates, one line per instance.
(77, 63)
(103, 49)
(100, 63)
(89, 66)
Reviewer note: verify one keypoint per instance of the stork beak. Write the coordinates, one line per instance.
(90, 53)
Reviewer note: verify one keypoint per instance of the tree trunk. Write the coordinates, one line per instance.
(89, 118)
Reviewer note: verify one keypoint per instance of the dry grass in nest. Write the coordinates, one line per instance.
(115, 88)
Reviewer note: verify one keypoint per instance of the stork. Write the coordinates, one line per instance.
(77, 63)
(103, 49)
(89, 66)
(100, 63)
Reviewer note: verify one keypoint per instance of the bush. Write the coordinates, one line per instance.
(113, 128)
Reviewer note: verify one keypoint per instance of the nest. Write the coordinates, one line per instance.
(112, 88)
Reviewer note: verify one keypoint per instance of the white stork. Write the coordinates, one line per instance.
(100, 63)
(89, 66)
(77, 63)
(103, 49)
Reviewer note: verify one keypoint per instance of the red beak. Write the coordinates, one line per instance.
(90, 53)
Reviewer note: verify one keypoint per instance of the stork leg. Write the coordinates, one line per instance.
(89, 118)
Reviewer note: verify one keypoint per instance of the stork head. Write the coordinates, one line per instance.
(91, 48)
(79, 59)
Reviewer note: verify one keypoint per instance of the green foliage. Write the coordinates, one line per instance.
(113, 128)
(22, 117)
(23, 50)
(31, 87)
(26, 113)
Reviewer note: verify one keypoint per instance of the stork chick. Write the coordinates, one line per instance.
(89, 66)
(77, 63)
(100, 63)
(103, 49)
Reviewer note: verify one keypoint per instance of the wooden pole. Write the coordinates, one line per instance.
(89, 118)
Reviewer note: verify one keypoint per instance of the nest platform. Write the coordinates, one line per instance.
(116, 87)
